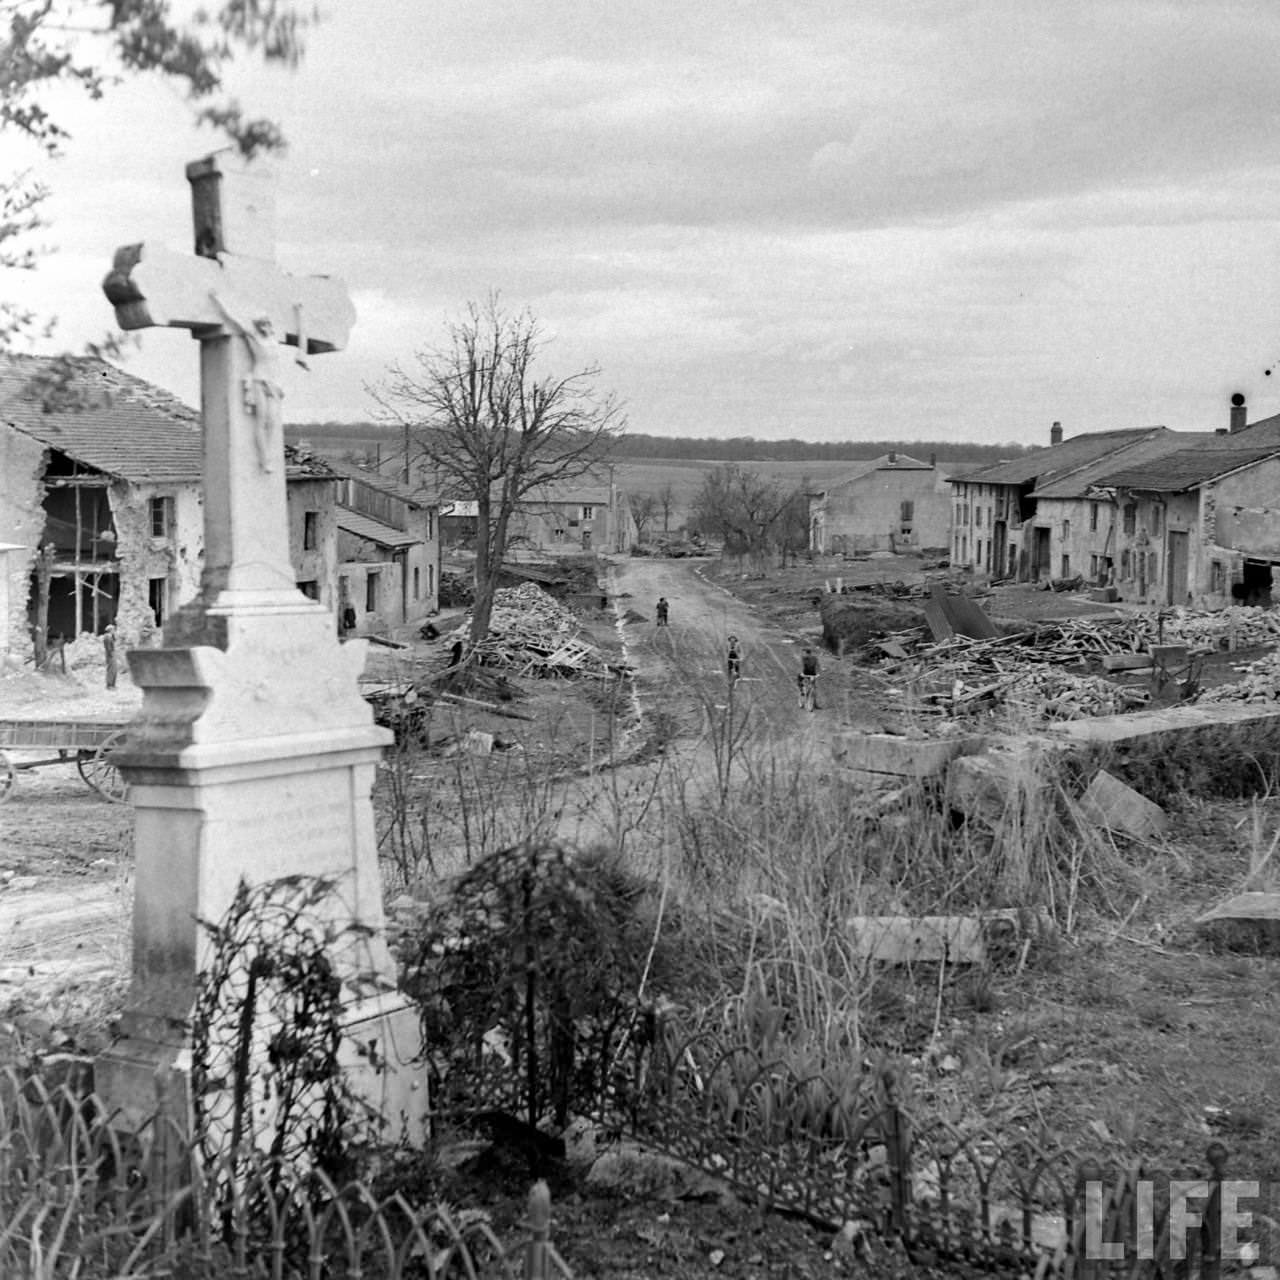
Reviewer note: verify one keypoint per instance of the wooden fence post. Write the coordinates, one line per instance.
(897, 1143)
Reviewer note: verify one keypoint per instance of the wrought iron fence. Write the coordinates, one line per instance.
(980, 1200)
(81, 1196)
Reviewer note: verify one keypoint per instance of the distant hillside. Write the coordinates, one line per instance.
(636, 446)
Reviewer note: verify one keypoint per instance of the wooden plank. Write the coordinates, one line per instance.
(968, 619)
(939, 624)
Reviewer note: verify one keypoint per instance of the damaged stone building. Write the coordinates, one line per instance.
(1162, 517)
(388, 549)
(101, 507)
(890, 503)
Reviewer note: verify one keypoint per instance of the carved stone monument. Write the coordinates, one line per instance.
(254, 754)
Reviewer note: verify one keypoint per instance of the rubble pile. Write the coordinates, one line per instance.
(530, 634)
(1038, 692)
(1259, 682)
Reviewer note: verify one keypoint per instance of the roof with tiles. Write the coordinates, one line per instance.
(383, 484)
(113, 422)
(1140, 454)
(1045, 465)
(372, 530)
(1185, 469)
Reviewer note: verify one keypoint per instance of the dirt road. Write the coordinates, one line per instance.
(66, 856)
(681, 667)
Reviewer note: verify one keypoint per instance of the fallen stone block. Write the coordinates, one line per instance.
(1126, 661)
(994, 936)
(980, 786)
(1248, 922)
(1112, 804)
(905, 757)
(1104, 595)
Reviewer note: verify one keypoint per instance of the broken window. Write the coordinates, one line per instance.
(1093, 517)
(1156, 515)
(908, 511)
(588, 513)
(416, 581)
(558, 534)
(1124, 565)
(1066, 566)
(371, 593)
(1217, 577)
(161, 517)
(1130, 517)
(310, 530)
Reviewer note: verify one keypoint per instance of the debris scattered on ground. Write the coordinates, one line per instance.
(1259, 682)
(530, 634)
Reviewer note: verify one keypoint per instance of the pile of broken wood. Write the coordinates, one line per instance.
(530, 634)
(1006, 673)
(1022, 671)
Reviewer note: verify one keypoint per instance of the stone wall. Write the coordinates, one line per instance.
(143, 557)
(22, 464)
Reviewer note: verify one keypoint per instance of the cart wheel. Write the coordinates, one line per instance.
(101, 774)
(8, 776)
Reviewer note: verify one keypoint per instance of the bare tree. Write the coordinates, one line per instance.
(488, 425)
(667, 501)
(743, 508)
(644, 506)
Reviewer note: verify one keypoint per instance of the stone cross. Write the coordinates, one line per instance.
(253, 755)
(240, 306)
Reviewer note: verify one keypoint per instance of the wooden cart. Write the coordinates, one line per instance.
(87, 742)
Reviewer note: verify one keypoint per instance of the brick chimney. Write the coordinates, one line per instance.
(893, 458)
(933, 461)
(1055, 433)
(1239, 413)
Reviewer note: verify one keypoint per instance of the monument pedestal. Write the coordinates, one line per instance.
(253, 758)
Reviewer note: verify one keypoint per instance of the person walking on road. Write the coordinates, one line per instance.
(733, 663)
(663, 608)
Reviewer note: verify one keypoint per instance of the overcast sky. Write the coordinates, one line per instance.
(846, 220)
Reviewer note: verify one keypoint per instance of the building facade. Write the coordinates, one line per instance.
(388, 550)
(893, 503)
(101, 507)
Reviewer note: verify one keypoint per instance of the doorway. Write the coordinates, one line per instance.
(1177, 567)
(1040, 562)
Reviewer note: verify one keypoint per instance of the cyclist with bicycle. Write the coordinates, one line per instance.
(807, 680)
(733, 663)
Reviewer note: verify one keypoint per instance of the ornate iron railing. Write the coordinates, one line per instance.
(80, 1196)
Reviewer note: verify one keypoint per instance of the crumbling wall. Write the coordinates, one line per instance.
(317, 563)
(22, 466)
(176, 558)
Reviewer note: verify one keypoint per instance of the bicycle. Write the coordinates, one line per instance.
(808, 692)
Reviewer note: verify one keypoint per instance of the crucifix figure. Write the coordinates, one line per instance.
(263, 395)
(240, 306)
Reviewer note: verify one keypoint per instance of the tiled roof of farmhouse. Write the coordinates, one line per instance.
(113, 422)
(1056, 460)
(1186, 469)
(1140, 454)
